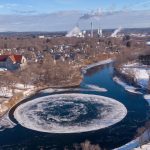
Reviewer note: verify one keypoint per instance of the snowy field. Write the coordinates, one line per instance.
(63, 113)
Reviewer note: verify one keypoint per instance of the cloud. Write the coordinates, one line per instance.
(93, 14)
(26, 12)
(14, 7)
(142, 3)
(65, 1)
(137, 5)
(65, 21)
(8, 5)
(97, 14)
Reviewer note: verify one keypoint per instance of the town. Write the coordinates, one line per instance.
(74, 75)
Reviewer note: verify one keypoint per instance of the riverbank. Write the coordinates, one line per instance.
(101, 76)
(18, 97)
(139, 74)
(103, 62)
(138, 144)
(135, 74)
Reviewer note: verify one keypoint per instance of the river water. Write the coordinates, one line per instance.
(109, 138)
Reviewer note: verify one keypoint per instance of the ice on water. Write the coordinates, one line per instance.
(70, 113)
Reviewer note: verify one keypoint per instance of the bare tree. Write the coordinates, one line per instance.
(88, 146)
(140, 132)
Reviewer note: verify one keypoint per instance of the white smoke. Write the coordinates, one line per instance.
(100, 32)
(114, 34)
(75, 32)
(95, 14)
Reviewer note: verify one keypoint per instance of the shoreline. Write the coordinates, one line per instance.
(27, 94)
(30, 92)
(103, 62)
(134, 144)
(18, 97)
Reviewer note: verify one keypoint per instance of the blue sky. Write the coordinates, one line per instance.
(49, 6)
(63, 15)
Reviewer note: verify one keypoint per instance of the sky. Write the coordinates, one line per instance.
(60, 15)
(50, 6)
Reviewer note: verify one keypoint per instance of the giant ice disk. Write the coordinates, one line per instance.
(70, 113)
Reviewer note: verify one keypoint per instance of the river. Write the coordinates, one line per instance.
(109, 138)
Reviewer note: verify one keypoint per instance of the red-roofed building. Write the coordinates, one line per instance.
(12, 62)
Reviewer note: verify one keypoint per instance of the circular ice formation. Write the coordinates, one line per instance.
(70, 113)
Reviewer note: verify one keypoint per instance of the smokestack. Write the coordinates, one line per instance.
(100, 32)
(91, 29)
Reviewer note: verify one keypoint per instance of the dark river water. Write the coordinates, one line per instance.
(109, 138)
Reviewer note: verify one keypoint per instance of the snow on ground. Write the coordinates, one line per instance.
(8, 92)
(23, 87)
(50, 90)
(96, 88)
(142, 77)
(5, 92)
(128, 88)
(53, 90)
(147, 98)
(88, 87)
(140, 73)
(135, 144)
(97, 64)
(144, 147)
(5, 122)
(3, 69)
(129, 146)
(53, 122)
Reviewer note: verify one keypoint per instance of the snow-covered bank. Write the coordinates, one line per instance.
(129, 146)
(144, 147)
(88, 87)
(147, 98)
(96, 88)
(6, 104)
(135, 144)
(127, 87)
(28, 90)
(84, 70)
(139, 72)
(5, 122)
(8, 92)
(23, 87)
